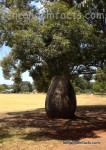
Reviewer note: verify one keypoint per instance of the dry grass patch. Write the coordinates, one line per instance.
(21, 102)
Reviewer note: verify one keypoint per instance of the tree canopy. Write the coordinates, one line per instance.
(64, 43)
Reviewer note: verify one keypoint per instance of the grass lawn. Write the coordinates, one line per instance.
(25, 126)
(23, 102)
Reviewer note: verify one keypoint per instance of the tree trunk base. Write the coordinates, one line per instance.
(61, 99)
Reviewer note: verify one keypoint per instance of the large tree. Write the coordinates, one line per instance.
(62, 45)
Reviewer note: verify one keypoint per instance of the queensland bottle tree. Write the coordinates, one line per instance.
(61, 45)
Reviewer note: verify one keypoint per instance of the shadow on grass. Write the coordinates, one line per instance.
(4, 135)
(89, 120)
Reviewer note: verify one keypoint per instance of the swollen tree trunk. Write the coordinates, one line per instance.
(61, 98)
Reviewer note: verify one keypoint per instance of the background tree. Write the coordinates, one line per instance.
(82, 85)
(26, 86)
(24, 89)
(2, 88)
(5, 88)
(16, 88)
(23, 86)
(99, 85)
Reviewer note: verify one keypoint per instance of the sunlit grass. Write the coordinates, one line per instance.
(21, 102)
(24, 102)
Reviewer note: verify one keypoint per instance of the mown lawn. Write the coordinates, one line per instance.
(22, 102)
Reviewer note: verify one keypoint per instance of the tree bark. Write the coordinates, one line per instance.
(60, 99)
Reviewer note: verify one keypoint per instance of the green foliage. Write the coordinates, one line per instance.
(94, 8)
(16, 88)
(2, 88)
(88, 77)
(100, 75)
(26, 86)
(23, 86)
(15, 3)
(57, 44)
(41, 78)
(100, 84)
(81, 85)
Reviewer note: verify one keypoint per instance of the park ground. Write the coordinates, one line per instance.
(25, 126)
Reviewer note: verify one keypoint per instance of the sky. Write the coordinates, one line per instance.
(4, 50)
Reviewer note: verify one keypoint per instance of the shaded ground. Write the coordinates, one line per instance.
(33, 130)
